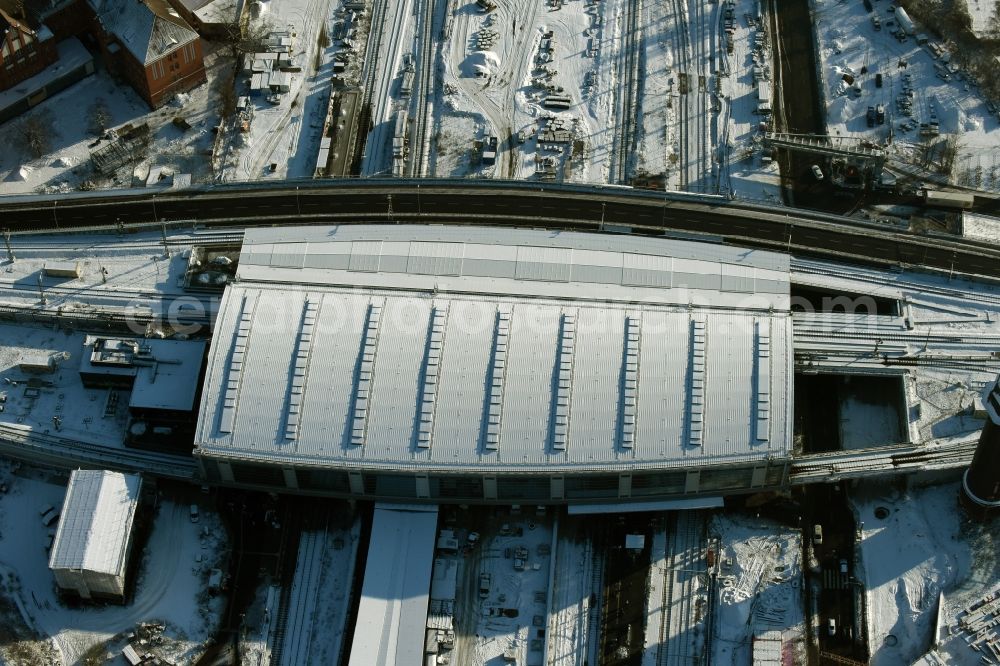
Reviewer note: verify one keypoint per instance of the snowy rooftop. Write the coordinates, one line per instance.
(72, 54)
(96, 522)
(149, 29)
(435, 348)
(392, 613)
(166, 371)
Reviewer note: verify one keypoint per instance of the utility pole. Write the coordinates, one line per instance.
(55, 217)
(298, 205)
(10, 250)
(389, 211)
(604, 207)
(163, 231)
(41, 289)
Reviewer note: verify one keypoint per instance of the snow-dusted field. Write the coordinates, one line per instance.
(170, 587)
(924, 547)
(850, 45)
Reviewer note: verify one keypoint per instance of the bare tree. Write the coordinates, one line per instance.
(245, 35)
(227, 99)
(950, 148)
(99, 116)
(34, 133)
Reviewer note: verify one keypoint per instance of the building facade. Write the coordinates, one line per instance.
(90, 553)
(24, 50)
(151, 46)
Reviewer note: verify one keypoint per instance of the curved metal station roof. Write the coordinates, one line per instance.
(451, 348)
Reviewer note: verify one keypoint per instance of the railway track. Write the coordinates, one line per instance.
(680, 645)
(369, 75)
(625, 127)
(306, 579)
(39, 447)
(423, 95)
(682, 49)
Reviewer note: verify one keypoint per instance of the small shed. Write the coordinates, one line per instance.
(281, 82)
(260, 83)
(37, 363)
(91, 550)
(65, 269)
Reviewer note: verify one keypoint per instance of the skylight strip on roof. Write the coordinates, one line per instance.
(303, 351)
(498, 375)
(763, 380)
(363, 382)
(630, 381)
(234, 373)
(696, 384)
(564, 390)
(432, 370)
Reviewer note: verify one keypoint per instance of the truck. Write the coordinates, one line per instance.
(905, 22)
(490, 150)
(880, 114)
(485, 581)
(870, 116)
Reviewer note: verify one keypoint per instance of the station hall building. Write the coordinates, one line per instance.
(489, 365)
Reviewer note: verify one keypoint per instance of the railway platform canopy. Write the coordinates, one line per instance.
(489, 364)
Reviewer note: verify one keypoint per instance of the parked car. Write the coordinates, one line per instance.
(817, 172)
(843, 566)
(818, 534)
(832, 627)
(485, 581)
(194, 513)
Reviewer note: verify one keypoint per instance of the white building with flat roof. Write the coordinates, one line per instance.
(91, 550)
(498, 365)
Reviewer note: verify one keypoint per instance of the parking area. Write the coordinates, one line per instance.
(501, 604)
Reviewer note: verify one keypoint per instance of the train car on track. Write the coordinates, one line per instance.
(941, 199)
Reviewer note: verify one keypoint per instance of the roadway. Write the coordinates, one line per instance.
(800, 232)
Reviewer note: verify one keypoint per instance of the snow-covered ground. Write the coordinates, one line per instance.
(573, 584)
(981, 227)
(761, 591)
(287, 134)
(923, 547)
(523, 592)
(851, 46)
(170, 584)
(983, 13)
(67, 164)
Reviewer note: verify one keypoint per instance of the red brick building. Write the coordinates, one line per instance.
(25, 49)
(150, 45)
